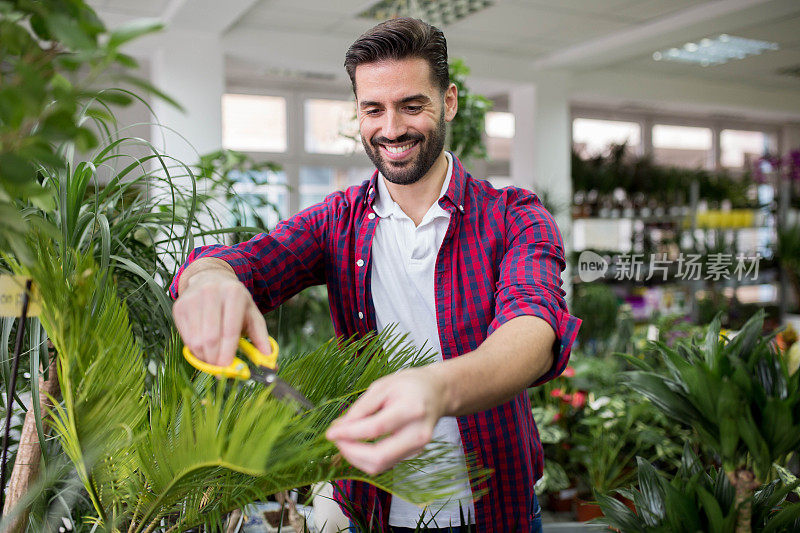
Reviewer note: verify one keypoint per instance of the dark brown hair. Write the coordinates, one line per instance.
(401, 38)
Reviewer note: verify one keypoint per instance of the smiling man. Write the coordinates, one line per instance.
(460, 266)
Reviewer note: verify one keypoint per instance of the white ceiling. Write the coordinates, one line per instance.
(514, 40)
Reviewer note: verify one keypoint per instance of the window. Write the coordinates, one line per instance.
(263, 198)
(499, 135)
(331, 127)
(254, 123)
(682, 146)
(592, 137)
(741, 149)
(318, 182)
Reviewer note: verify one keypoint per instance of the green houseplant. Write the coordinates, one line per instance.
(466, 129)
(740, 400)
(697, 499)
(188, 450)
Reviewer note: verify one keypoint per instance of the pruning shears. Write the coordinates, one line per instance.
(262, 370)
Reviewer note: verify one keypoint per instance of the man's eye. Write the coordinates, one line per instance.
(371, 111)
(414, 108)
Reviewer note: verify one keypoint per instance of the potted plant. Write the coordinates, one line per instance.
(137, 432)
(742, 404)
(698, 498)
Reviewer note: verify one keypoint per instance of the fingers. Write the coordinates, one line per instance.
(367, 404)
(232, 318)
(256, 328)
(212, 313)
(380, 423)
(210, 327)
(374, 458)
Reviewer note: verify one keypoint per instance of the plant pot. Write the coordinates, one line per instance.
(586, 511)
(562, 501)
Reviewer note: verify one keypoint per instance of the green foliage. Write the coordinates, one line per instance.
(789, 247)
(597, 306)
(218, 174)
(466, 129)
(592, 428)
(554, 477)
(190, 450)
(735, 393)
(788, 252)
(55, 53)
(696, 499)
(665, 185)
(608, 443)
(303, 322)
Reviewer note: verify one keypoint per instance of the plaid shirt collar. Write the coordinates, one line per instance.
(453, 197)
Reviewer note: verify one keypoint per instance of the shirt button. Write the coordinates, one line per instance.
(360, 262)
(461, 208)
(360, 315)
(371, 216)
(369, 192)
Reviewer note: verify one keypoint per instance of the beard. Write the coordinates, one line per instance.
(410, 171)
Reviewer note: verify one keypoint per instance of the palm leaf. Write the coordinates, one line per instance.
(193, 449)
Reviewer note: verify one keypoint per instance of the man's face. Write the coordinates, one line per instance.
(402, 117)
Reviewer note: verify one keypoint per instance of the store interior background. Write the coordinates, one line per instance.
(265, 77)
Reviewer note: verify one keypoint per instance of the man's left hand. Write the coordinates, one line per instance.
(393, 420)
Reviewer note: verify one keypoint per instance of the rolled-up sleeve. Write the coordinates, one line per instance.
(276, 265)
(529, 282)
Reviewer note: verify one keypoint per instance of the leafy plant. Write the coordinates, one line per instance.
(56, 57)
(597, 306)
(696, 499)
(219, 173)
(641, 177)
(466, 129)
(190, 450)
(789, 256)
(736, 394)
(551, 434)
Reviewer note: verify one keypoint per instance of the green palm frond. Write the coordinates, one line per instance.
(192, 448)
(99, 368)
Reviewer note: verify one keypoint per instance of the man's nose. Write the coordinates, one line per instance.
(394, 126)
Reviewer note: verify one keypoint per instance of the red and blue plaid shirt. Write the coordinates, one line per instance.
(502, 257)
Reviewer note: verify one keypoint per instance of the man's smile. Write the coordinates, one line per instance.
(399, 151)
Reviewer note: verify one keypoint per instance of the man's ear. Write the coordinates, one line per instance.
(450, 102)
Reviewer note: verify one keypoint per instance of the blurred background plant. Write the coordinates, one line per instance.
(466, 138)
(743, 407)
(642, 183)
(221, 174)
(788, 252)
(598, 307)
(57, 61)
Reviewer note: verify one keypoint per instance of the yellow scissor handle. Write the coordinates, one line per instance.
(238, 369)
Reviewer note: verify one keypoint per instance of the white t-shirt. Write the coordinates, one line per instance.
(403, 263)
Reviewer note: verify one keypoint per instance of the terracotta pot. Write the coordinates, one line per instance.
(562, 501)
(586, 511)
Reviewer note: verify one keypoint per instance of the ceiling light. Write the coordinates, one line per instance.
(438, 13)
(715, 51)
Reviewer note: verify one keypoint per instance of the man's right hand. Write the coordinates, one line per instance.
(214, 309)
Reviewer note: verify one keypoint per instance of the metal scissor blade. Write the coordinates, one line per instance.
(281, 389)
